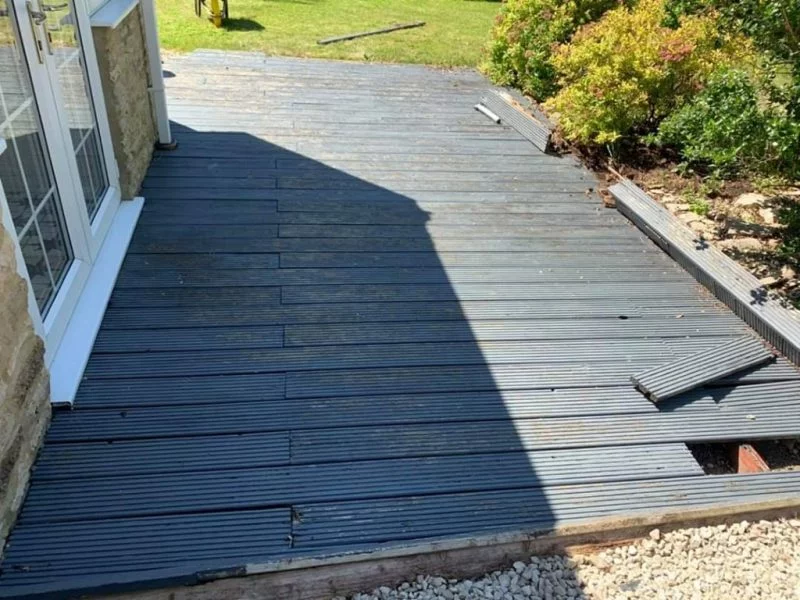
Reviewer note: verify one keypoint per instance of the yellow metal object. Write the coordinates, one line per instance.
(217, 10)
(216, 13)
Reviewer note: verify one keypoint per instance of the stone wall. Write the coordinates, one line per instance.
(24, 388)
(122, 59)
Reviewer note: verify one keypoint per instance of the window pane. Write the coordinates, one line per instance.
(33, 253)
(79, 107)
(26, 136)
(14, 184)
(13, 75)
(52, 228)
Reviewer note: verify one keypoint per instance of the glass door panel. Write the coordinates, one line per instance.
(26, 172)
(78, 109)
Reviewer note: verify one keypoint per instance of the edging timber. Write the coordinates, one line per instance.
(724, 277)
(343, 575)
(535, 129)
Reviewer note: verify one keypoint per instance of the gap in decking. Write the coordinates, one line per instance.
(714, 458)
(724, 458)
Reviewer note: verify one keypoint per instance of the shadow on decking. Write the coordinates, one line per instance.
(252, 397)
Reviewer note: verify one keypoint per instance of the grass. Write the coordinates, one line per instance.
(454, 35)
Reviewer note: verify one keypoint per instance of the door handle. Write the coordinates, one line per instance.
(37, 19)
(53, 7)
(36, 16)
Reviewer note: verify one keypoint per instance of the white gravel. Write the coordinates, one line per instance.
(743, 561)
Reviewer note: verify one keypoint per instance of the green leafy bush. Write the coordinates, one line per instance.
(728, 128)
(774, 28)
(789, 217)
(524, 35)
(722, 127)
(624, 73)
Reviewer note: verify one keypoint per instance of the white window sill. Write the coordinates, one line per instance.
(69, 362)
(111, 14)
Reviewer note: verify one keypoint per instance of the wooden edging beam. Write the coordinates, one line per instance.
(724, 277)
(343, 575)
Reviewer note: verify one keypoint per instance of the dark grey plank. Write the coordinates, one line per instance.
(198, 338)
(725, 326)
(203, 212)
(276, 415)
(601, 231)
(367, 443)
(578, 204)
(146, 495)
(303, 294)
(416, 217)
(350, 524)
(495, 376)
(55, 557)
(549, 352)
(201, 261)
(122, 392)
(234, 298)
(150, 456)
(149, 317)
(674, 378)
(531, 260)
(194, 277)
(165, 245)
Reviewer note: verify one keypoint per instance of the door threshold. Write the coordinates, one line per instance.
(69, 360)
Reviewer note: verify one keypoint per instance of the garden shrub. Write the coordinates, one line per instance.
(730, 128)
(624, 73)
(774, 28)
(789, 217)
(524, 35)
(722, 127)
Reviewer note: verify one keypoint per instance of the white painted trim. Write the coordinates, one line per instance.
(8, 224)
(157, 94)
(60, 311)
(69, 362)
(105, 213)
(112, 13)
(96, 89)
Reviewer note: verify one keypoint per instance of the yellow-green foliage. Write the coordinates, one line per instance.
(627, 71)
(524, 34)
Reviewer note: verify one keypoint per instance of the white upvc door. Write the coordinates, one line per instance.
(58, 172)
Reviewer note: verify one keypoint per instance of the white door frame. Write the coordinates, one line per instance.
(86, 237)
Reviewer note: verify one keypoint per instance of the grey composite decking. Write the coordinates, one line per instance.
(356, 314)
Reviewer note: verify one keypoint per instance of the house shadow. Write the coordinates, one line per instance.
(367, 306)
(393, 390)
(302, 334)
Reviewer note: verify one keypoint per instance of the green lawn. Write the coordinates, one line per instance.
(455, 32)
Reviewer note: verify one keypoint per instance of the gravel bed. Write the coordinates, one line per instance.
(742, 561)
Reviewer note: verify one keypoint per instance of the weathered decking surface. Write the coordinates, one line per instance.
(356, 313)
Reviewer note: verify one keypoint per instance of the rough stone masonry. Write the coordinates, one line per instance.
(122, 60)
(24, 388)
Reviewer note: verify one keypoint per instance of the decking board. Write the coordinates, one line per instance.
(355, 314)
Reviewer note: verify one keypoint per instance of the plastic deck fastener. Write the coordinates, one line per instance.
(688, 373)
